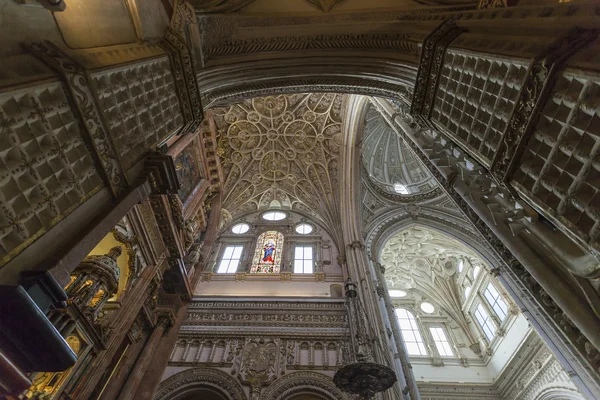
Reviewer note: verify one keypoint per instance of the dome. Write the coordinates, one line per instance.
(388, 162)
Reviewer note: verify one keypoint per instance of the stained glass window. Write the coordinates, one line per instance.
(267, 256)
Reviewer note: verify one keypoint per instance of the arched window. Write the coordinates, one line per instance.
(410, 333)
(267, 256)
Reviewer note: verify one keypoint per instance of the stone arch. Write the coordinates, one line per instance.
(180, 385)
(558, 394)
(303, 383)
(388, 224)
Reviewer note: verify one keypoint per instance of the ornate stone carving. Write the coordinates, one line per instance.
(495, 83)
(197, 378)
(301, 382)
(184, 74)
(399, 41)
(259, 364)
(140, 107)
(45, 155)
(430, 63)
(78, 83)
(325, 5)
(330, 84)
(513, 270)
(538, 84)
(297, 164)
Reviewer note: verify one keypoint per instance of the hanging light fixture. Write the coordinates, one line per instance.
(361, 375)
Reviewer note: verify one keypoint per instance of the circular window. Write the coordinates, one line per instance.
(397, 293)
(273, 216)
(401, 189)
(240, 228)
(304, 229)
(427, 307)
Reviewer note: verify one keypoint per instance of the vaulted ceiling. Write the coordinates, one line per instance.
(426, 263)
(388, 161)
(284, 148)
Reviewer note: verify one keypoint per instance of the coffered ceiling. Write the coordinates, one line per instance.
(283, 148)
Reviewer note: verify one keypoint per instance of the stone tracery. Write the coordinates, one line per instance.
(283, 148)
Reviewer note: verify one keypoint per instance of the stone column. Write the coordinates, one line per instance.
(138, 371)
(160, 358)
(406, 377)
(119, 377)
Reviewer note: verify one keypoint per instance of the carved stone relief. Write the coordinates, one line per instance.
(288, 146)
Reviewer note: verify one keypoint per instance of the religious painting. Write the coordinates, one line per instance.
(189, 169)
(267, 256)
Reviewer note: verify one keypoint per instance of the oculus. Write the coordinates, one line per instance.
(397, 293)
(401, 189)
(304, 229)
(240, 228)
(427, 307)
(274, 216)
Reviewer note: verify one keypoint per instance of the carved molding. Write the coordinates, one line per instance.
(325, 5)
(327, 84)
(196, 378)
(184, 75)
(430, 63)
(302, 382)
(398, 42)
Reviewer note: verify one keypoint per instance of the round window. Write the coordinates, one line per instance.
(427, 307)
(304, 229)
(274, 216)
(397, 293)
(240, 228)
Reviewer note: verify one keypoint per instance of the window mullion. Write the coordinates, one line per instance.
(482, 335)
(490, 310)
(436, 358)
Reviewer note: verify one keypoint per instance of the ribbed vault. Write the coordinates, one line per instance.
(284, 149)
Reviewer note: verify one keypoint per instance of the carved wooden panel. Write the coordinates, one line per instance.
(560, 167)
(140, 106)
(475, 99)
(46, 170)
